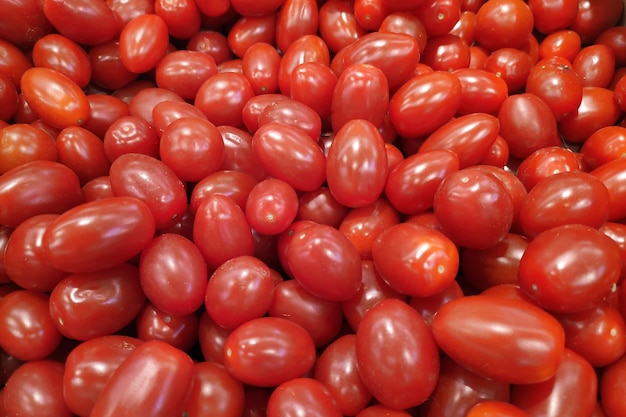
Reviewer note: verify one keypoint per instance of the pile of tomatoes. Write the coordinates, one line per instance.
(246, 208)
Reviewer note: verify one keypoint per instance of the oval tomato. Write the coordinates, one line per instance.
(98, 235)
(168, 375)
(475, 332)
(391, 342)
(268, 351)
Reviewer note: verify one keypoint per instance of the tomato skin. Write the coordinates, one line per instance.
(313, 84)
(268, 351)
(575, 379)
(356, 167)
(64, 55)
(27, 330)
(168, 375)
(90, 365)
(455, 199)
(215, 392)
(337, 369)
(546, 162)
(564, 198)
(482, 91)
(469, 136)
(173, 274)
(424, 103)
(54, 97)
(361, 83)
(393, 326)
(182, 17)
(338, 25)
(36, 389)
(37, 187)
(471, 331)
(154, 183)
(233, 184)
(221, 231)
(76, 242)
(184, 72)
(569, 268)
(458, 389)
(300, 394)
(83, 152)
(503, 24)
(595, 65)
(296, 18)
(307, 48)
(143, 43)
(323, 245)
(222, 98)
(260, 67)
(271, 206)
(288, 153)
(105, 110)
(604, 145)
(294, 113)
(21, 143)
(597, 110)
(77, 20)
(107, 70)
(613, 387)
(433, 259)
(179, 331)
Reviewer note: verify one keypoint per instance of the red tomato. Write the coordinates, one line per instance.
(268, 351)
(594, 17)
(604, 145)
(323, 245)
(474, 331)
(356, 168)
(271, 206)
(552, 15)
(597, 334)
(288, 153)
(83, 152)
(613, 387)
(130, 134)
(575, 379)
(215, 392)
(415, 260)
(182, 17)
(168, 376)
(338, 26)
(474, 207)
(233, 184)
(425, 103)
(221, 231)
(337, 369)
(107, 70)
(302, 394)
(178, 331)
(115, 293)
(545, 162)
(238, 153)
(260, 67)
(362, 83)
(193, 148)
(222, 97)
(211, 339)
(511, 64)
(37, 187)
(446, 53)
(503, 24)
(313, 84)
(64, 55)
(481, 91)
(296, 18)
(173, 274)
(27, 24)
(98, 235)
(564, 198)
(9, 99)
(294, 113)
(154, 183)
(24, 260)
(21, 143)
(55, 98)
(595, 65)
(89, 22)
(391, 340)
(611, 174)
(27, 330)
(562, 43)
(143, 43)
(90, 365)
(570, 268)
(459, 389)
(307, 48)
(36, 388)
(495, 409)
(105, 110)
(238, 291)
(320, 206)
(184, 71)
(597, 110)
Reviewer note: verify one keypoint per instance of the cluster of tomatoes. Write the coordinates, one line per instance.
(247, 208)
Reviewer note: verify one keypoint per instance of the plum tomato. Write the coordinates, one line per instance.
(475, 332)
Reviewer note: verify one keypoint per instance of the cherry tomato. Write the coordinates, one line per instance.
(215, 392)
(597, 110)
(176, 330)
(294, 113)
(323, 245)
(27, 329)
(604, 145)
(593, 18)
(83, 152)
(130, 134)
(338, 26)
(27, 24)
(271, 206)
(79, 19)
(478, 227)
(55, 98)
(154, 183)
(393, 326)
(21, 143)
(575, 379)
(611, 174)
(37, 187)
(173, 274)
(36, 388)
(89, 366)
(221, 231)
(301, 394)
(143, 43)
(168, 376)
(98, 235)
(313, 84)
(184, 72)
(503, 24)
(612, 387)
(569, 268)
(105, 110)
(182, 17)
(107, 70)
(268, 351)
(64, 55)
(551, 16)
(495, 408)
(424, 103)
(296, 18)
(474, 331)
(260, 67)
(307, 48)
(222, 97)
(482, 91)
